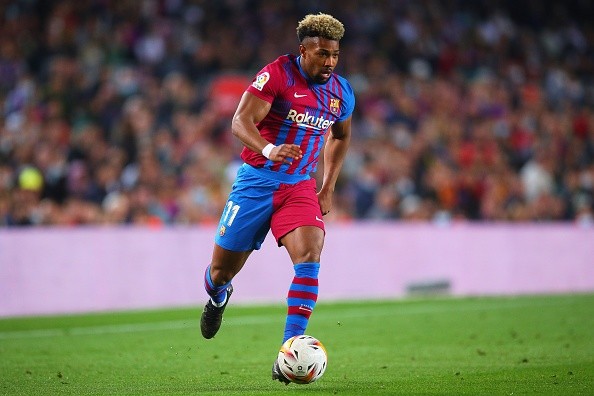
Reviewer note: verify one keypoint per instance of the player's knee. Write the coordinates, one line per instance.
(306, 252)
(220, 276)
(307, 256)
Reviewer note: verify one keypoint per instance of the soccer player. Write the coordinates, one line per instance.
(282, 120)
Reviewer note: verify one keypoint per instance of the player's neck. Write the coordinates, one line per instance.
(303, 72)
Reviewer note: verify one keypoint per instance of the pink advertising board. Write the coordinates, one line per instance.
(71, 270)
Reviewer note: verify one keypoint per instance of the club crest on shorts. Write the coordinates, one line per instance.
(222, 230)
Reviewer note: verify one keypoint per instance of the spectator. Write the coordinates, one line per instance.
(117, 112)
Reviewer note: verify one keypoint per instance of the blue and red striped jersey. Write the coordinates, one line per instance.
(301, 112)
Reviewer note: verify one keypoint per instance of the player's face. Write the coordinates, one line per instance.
(319, 57)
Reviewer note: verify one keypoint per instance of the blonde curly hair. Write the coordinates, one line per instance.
(320, 25)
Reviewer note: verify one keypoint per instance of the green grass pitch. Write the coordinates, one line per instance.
(530, 345)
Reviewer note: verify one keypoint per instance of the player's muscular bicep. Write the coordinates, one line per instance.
(342, 130)
(251, 109)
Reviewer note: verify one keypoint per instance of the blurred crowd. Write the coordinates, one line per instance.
(119, 112)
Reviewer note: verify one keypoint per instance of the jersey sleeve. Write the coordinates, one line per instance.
(267, 83)
(348, 100)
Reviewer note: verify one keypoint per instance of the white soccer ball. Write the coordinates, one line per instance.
(302, 359)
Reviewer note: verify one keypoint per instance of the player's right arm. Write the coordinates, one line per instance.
(250, 111)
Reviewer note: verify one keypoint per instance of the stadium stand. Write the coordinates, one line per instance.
(118, 112)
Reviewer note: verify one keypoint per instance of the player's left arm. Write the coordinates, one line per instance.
(334, 154)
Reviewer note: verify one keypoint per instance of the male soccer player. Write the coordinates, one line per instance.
(282, 120)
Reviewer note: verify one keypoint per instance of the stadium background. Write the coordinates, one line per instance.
(469, 114)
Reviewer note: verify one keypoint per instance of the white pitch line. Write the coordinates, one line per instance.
(347, 313)
(127, 328)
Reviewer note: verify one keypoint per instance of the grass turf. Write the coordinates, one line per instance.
(472, 346)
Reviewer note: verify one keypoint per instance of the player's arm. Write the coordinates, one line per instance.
(334, 154)
(249, 113)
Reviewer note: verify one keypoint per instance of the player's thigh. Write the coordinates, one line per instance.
(304, 244)
(297, 222)
(245, 220)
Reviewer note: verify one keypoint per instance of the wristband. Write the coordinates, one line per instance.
(266, 150)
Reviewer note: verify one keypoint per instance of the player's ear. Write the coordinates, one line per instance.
(302, 50)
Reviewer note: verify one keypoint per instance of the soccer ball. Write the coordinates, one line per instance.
(302, 359)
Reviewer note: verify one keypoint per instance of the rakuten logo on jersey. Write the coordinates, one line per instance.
(305, 119)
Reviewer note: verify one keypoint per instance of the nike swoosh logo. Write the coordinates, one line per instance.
(318, 219)
(299, 96)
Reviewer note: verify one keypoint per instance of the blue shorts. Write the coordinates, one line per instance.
(261, 200)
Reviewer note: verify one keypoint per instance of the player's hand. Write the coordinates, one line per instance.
(286, 153)
(325, 201)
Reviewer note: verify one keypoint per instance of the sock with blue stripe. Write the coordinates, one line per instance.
(218, 294)
(301, 299)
